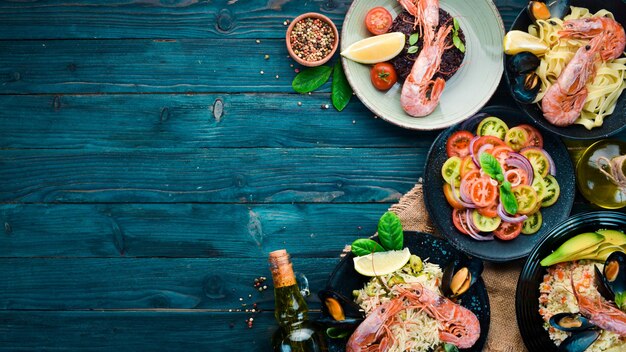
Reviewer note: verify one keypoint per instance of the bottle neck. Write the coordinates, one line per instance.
(282, 269)
(291, 309)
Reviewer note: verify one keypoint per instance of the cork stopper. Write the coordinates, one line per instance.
(281, 268)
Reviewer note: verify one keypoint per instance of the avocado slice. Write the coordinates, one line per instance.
(615, 237)
(573, 246)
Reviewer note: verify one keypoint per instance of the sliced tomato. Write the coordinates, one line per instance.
(467, 165)
(483, 192)
(538, 160)
(517, 177)
(495, 141)
(492, 126)
(468, 180)
(447, 191)
(516, 138)
(451, 171)
(459, 221)
(535, 138)
(508, 231)
(527, 199)
(378, 20)
(501, 152)
(490, 211)
(458, 144)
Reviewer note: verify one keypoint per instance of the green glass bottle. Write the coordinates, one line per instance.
(295, 333)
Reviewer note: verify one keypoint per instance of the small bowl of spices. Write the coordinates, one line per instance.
(312, 39)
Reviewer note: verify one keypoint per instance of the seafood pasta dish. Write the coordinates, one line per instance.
(414, 313)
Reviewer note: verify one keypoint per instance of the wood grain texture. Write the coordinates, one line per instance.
(157, 19)
(183, 230)
(198, 121)
(210, 175)
(130, 283)
(135, 331)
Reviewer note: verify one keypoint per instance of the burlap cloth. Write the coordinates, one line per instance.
(500, 279)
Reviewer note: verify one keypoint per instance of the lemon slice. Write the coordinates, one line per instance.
(381, 263)
(517, 41)
(375, 49)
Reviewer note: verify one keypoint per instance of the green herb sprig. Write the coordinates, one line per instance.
(458, 43)
(312, 78)
(390, 235)
(413, 38)
(491, 166)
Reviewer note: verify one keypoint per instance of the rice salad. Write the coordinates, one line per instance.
(556, 296)
(416, 331)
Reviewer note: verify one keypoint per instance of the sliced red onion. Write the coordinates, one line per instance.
(507, 218)
(550, 161)
(471, 150)
(493, 182)
(460, 201)
(514, 171)
(464, 196)
(519, 161)
(473, 231)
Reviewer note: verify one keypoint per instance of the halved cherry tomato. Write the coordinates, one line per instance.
(447, 191)
(517, 138)
(495, 141)
(535, 138)
(378, 20)
(467, 165)
(458, 144)
(490, 211)
(459, 220)
(383, 76)
(483, 192)
(508, 231)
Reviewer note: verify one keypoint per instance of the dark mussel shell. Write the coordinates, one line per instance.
(559, 8)
(570, 322)
(459, 276)
(580, 341)
(338, 310)
(521, 63)
(612, 280)
(538, 10)
(525, 87)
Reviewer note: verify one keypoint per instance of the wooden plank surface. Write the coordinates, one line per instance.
(210, 175)
(202, 121)
(129, 283)
(183, 230)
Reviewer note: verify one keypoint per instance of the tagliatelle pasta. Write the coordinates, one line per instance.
(610, 77)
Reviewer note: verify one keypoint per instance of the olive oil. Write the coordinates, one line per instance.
(594, 184)
(296, 333)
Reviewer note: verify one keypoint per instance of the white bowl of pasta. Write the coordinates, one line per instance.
(604, 110)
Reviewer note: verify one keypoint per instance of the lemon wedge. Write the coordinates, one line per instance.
(375, 49)
(381, 263)
(517, 41)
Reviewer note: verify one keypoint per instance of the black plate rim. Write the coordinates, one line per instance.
(452, 235)
(524, 308)
(563, 131)
(480, 284)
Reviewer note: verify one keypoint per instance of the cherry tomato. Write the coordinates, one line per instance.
(495, 141)
(467, 165)
(508, 231)
(459, 221)
(383, 76)
(447, 191)
(483, 192)
(535, 138)
(490, 211)
(458, 144)
(378, 20)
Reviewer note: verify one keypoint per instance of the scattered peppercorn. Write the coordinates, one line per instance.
(258, 41)
(266, 57)
(312, 39)
(299, 103)
(297, 70)
(261, 72)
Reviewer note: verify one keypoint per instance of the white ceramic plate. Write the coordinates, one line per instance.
(465, 93)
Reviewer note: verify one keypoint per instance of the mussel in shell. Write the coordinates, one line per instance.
(522, 63)
(612, 280)
(540, 10)
(459, 276)
(580, 341)
(337, 310)
(570, 322)
(526, 87)
(559, 8)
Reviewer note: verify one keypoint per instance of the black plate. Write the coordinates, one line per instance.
(496, 250)
(527, 295)
(613, 123)
(344, 279)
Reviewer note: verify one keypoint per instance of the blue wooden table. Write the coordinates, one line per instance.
(151, 157)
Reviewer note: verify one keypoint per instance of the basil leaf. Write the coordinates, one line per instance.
(509, 203)
(461, 47)
(412, 50)
(457, 42)
(311, 78)
(390, 232)
(414, 38)
(490, 165)
(365, 246)
(341, 90)
(456, 24)
(620, 300)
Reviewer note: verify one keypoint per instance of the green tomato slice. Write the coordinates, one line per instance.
(484, 223)
(539, 186)
(451, 171)
(516, 138)
(552, 191)
(526, 199)
(492, 126)
(532, 224)
(538, 160)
